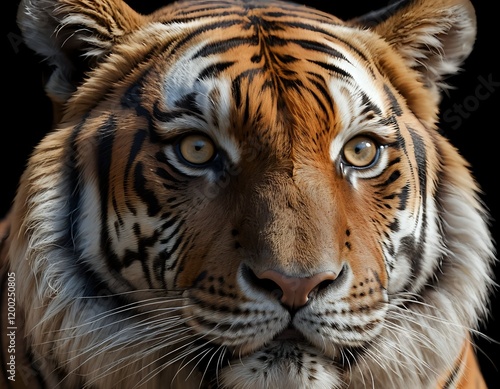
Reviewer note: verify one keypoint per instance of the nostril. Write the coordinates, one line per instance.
(298, 290)
(324, 284)
(338, 280)
(293, 292)
(262, 283)
(270, 286)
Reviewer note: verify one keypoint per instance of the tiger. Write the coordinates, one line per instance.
(245, 194)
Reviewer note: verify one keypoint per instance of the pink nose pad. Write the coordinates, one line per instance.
(296, 290)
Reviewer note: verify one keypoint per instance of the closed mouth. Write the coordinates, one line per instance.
(289, 334)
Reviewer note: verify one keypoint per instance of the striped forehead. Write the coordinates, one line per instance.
(188, 80)
(206, 78)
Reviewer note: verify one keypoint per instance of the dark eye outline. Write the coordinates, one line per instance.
(182, 158)
(375, 159)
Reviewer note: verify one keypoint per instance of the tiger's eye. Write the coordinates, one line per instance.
(360, 151)
(197, 149)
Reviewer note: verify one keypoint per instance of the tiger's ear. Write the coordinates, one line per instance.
(433, 36)
(72, 35)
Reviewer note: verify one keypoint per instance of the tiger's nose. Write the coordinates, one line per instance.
(296, 291)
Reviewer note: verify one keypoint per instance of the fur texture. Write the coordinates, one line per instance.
(249, 195)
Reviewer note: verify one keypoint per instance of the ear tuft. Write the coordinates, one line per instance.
(433, 37)
(71, 35)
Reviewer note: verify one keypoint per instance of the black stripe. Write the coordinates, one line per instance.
(413, 250)
(174, 233)
(246, 112)
(207, 6)
(162, 173)
(390, 250)
(420, 153)
(171, 115)
(276, 14)
(141, 255)
(236, 83)
(394, 226)
(73, 175)
(315, 28)
(105, 141)
(412, 247)
(369, 105)
(421, 158)
(137, 143)
(259, 23)
(160, 262)
(295, 84)
(170, 220)
(395, 175)
(316, 46)
(146, 195)
(286, 58)
(132, 98)
(188, 103)
(215, 69)
(403, 197)
(332, 68)
(323, 92)
(197, 32)
(300, 12)
(119, 221)
(179, 245)
(184, 257)
(220, 47)
(94, 284)
(396, 108)
(236, 90)
(167, 116)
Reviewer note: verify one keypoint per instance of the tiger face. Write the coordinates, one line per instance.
(249, 194)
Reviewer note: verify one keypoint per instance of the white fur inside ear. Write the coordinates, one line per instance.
(71, 35)
(433, 37)
(40, 33)
(440, 50)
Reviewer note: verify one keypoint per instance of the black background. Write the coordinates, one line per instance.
(469, 120)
